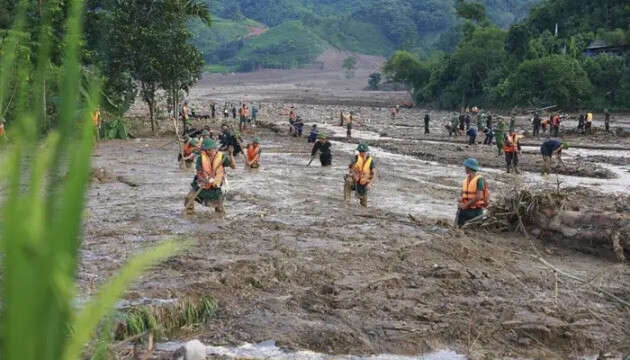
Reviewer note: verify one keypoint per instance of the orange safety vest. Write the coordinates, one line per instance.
(212, 168)
(96, 118)
(511, 145)
(469, 192)
(361, 172)
(556, 120)
(188, 149)
(252, 151)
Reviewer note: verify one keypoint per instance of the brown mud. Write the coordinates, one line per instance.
(292, 262)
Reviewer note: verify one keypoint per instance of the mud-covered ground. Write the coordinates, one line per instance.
(291, 262)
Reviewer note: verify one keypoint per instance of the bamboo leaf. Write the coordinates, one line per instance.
(94, 311)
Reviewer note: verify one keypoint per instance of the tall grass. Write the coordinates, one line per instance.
(44, 185)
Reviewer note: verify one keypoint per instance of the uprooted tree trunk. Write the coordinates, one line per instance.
(545, 214)
(588, 228)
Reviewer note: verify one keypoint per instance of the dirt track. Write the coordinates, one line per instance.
(292, 262)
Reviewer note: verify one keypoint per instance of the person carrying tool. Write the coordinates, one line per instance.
(253, 154)
(213, 111)
(361, 175)
(427, 120)
(233, 111)
(206, 186)
(341, 118)
(550, 148)
(489, 121)
(323, 146)
(474, 195)
(512, 148)
(589, 123)
(349, 121)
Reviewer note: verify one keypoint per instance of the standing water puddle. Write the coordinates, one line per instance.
(269, 350)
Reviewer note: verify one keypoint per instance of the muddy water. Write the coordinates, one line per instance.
(269, 350)
(292, 262)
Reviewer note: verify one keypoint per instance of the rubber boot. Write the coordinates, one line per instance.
(219, 208)
(508, 169)
(516, 170)
(347, 190)
(363, 200)
(189, 202)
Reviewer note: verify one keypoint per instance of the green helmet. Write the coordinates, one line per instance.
(193, 142)
(363, 148)
(321, 136)
(472, 164)
(565, 145)
(208, 144)
(205, 133)
(256, 140)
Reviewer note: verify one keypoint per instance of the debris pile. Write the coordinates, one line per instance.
(547, 215)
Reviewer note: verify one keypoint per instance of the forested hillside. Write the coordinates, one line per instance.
(570, 53)
(375, 27)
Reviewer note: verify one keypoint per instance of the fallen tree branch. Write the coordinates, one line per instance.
(582, 281)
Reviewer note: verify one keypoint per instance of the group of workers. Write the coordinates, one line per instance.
(210, 160)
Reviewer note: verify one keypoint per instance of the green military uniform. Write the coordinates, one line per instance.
(209, 195)
(480, 120)
(500, 136)
(454, 124)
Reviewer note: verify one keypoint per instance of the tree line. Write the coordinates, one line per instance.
(130, 47)
(542, 60)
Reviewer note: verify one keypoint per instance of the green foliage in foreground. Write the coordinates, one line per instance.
(527, 65)
(44, 193)
(165, 319)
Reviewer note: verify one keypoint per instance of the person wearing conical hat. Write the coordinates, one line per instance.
(362, 171)
(206, 186)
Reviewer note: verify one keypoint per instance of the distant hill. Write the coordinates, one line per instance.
(251, 34)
